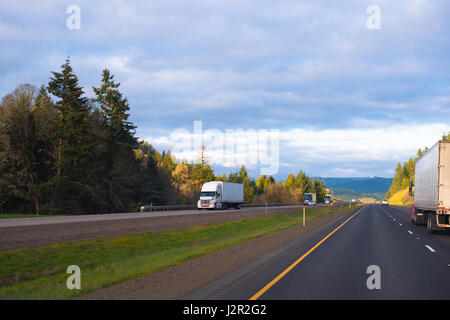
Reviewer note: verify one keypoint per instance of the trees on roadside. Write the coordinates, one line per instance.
(120, 168)
(404, 174)
(26, 117)
(77, 159)
(61, 152)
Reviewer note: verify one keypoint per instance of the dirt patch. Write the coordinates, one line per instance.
(176, 281)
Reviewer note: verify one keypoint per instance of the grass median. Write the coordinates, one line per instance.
(40, 273)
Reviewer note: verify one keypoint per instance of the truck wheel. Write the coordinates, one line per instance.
(415, 220)
(419, 220)
(431, 223)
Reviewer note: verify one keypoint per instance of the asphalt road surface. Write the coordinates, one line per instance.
(40, 221)
(36, 232)
(332, 263)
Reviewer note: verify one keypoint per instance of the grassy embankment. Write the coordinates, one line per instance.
(40, 273)
(401, 198)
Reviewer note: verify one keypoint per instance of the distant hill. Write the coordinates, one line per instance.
(348, 195)
(362, 185)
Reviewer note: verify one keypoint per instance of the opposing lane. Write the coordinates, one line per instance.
(39, 221)
(19, 234)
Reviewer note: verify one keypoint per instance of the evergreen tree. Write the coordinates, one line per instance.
(77, 159)
(120, 166)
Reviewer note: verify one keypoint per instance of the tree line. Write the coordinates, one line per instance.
(61, 152)
(404, 173)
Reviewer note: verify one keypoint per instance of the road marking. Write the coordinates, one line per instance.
(286, 271)
(410, 232)
(430, 248)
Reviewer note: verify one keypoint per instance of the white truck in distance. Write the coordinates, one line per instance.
(432, 188)
(328, 199)
(221, 195)
(309, 199)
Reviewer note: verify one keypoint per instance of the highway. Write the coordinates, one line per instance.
(332, 263)
(36, 232)
(41, 221)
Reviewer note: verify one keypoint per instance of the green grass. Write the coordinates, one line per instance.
(40, 273)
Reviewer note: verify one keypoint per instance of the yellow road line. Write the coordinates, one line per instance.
(281, 275)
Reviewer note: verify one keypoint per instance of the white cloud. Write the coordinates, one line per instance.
(331, 149)
(285, 64)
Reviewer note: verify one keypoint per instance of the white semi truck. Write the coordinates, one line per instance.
(221, 195)
(432, 188)
(309, 199)
(328, 199)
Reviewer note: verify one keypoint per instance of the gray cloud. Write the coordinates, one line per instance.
(262, 64)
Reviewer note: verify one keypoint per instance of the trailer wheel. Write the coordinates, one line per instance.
(431, 223)
(416, 221)
(419, 220)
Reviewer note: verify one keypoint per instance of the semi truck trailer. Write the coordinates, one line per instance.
(309, 199)
(221, 195)
(432, 188)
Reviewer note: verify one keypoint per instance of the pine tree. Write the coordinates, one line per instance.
(77, 165)
(119, 163)
(115, 109)
(248, 185)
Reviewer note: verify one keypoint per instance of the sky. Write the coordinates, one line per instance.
(342, 99)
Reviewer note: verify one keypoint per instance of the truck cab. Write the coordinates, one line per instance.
(328, 199)
(309, 199)
(210, 196)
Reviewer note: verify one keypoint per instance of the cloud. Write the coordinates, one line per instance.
(310, 69)
(327, 152)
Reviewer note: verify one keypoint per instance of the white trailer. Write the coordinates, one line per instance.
(221, 195)
(432, 188)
